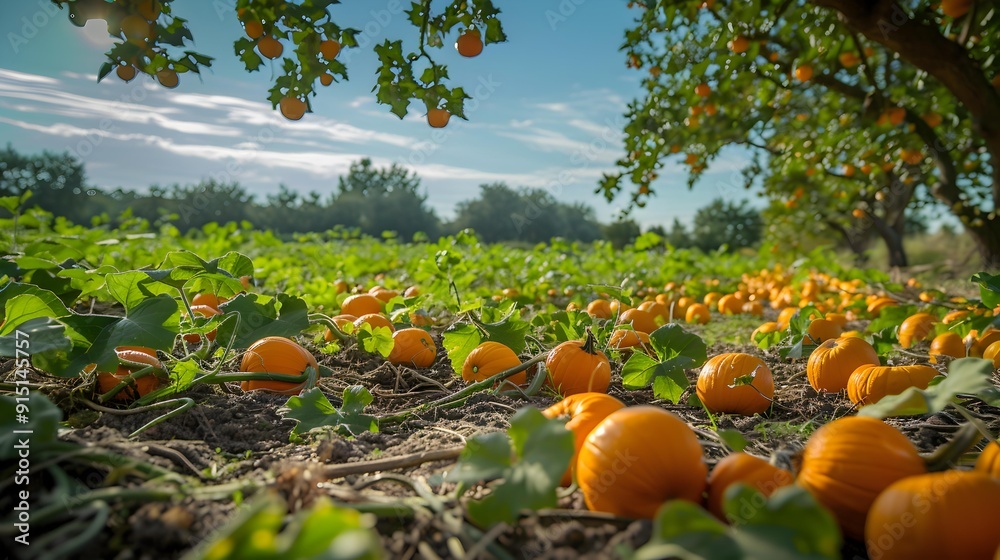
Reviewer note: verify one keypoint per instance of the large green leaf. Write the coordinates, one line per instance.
(129, 288)
(542, 448)
(53, 305)
(261, 316)
(459, 340)
(43, 335)
(152, 323)
(989, 288)
(312, 410)
(789, 525)
(677, 351)
(966, 376)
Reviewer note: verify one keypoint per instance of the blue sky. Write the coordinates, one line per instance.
(550, 113)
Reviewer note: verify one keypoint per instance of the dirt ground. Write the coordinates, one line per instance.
(229, 437)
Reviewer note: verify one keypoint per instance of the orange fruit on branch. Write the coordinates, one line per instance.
(329, 49)
(469, 43)
(438, 118)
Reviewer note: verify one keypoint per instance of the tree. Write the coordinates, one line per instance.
(622, 232)
(150, 40)
(385, 199)
(501, 213)
(722, 222)
(842, 98)
(58, 183)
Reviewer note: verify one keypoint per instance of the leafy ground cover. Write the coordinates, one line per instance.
(368, 452)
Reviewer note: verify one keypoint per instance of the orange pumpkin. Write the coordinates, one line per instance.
(946, 344)
(412, 347)
(361, 304)
(490, 358)
(878, 304)
(140, 387)
(584, 411)
(869, 384)
(638, 458)
(697, 313)
(830, 365)
(578, 367)
(208, 299)
(950, 514)
(745, 468)
(989, 460)
(785, 317)
(599, 308)
(764, 328)
(847, 463)
(978, 348)
(915, 328)
(203, 310)
(374, 320)
(821, 330)
(626, 340)
(642, 321)
(719, 374)
(730, 304)
(276, 354)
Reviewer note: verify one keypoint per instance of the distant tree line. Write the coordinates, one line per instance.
(367, 200)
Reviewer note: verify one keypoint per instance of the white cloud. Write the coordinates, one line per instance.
(14, 75)
(521, 124)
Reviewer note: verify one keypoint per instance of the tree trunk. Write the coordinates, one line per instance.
(892, 234)
(923, 45)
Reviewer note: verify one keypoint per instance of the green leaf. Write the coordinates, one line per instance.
(152, 323)
(260, 316)
(485, 457)
(733, 439)
(672, 341)
(989, 288)
(376, 340)
(459, 340)
(55, 307)
(969, 376)
(42, 423)
(43, 335)
(503, 325)
(129, 288)
(543, 449)
(312, 410)
(667, 377)
(789, 525)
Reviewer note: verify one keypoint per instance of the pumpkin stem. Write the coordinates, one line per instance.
(589, 343)
(945, 456)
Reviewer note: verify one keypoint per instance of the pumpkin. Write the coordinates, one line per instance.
(276, 354)
(831, 364)
(203, 310)
(208, 299)
(764, 328)
(946, 344)
(989, 460)
(490, 358)
(868, 384)
(753, 308)
(838, 319)
(950, 514)
(412, 347)
(821, 330)
(915, 328)
(878, 304)
(697, 313)
(626, 340)
(374, 320)
(848, 462)
(584, 411)
(680, 306)
(785, 317)
(599, 308)
(361, 304)
(745, 468)
(992, 353)
(729, 304)
(383, 294)
(642, 321)
(638, 458)
(719, 374)
(978, 348)
(140, 387)
(578, 367)
(657, 310)
(340, 321)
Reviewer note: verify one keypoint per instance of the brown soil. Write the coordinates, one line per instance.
(229, 437)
